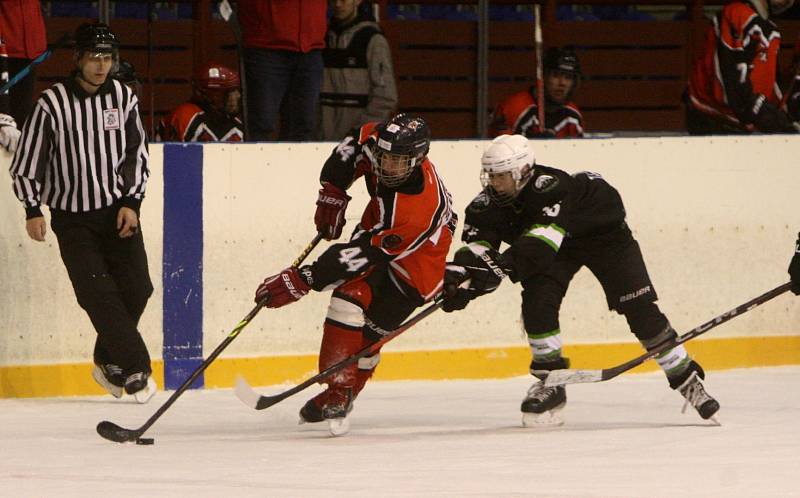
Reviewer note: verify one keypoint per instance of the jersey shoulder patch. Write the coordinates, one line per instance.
(545, 183)
(479, 204)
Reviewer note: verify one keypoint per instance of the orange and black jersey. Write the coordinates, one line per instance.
(407, 230)
(552, 207)
(518, 115)
(190, 122)
(734, 76)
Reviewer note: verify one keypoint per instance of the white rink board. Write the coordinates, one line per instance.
(40, 320)
(716, 219)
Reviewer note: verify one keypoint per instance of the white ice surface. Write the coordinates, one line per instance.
(622, 438)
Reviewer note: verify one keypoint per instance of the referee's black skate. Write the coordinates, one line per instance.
(141, 386)
(110, 378)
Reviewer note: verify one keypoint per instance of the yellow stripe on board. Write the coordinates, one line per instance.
(63, 379)
(476, 363)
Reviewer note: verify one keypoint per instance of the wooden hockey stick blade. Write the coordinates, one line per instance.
(566, 376)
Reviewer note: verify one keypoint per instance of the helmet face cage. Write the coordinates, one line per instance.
(399, 148)
(504, 198)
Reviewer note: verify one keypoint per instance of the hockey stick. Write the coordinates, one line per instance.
(113, 432)
(563, 377)
(229, 14)
(257, 401)
(537, 37)
(65, 38)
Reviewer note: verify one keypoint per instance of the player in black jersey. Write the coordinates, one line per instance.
(554, 224)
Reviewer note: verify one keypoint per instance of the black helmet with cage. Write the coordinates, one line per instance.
(399, 148)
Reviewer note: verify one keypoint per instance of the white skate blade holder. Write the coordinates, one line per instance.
(147, 393)
(550, 418)
(98, 377)
(338, 426)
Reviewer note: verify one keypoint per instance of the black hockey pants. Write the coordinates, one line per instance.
(111, 282)
(616, 261)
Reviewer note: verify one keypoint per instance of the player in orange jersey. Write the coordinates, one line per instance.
(518, 114)
(393, 263)
(732, 88)
(212, 115)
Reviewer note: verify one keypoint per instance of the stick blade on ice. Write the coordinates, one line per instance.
(113, 432)
(564, 376)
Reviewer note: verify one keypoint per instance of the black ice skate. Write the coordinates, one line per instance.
(694, 392)
(141, 386)
(110, 378)
(333, 405)
(542, 405)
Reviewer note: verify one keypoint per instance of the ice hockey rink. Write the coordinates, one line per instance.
(621, 438)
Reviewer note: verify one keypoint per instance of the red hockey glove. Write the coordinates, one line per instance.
(794, 268)
(284, 288)
(331, 205)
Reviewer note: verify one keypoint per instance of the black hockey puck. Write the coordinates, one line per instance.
(145, 440)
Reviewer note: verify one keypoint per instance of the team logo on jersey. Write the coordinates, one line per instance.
(545, 182)
(479, 203)
(391, 241)
(111, 119)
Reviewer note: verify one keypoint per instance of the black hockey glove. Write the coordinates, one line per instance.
(479, 264)
(794, 268)
(770, 119)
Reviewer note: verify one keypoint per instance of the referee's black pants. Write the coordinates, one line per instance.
(616, 261)
(111, 282)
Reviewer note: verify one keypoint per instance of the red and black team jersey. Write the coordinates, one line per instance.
(406, 229)
(734, 76)
(191, 123)
(518, 115)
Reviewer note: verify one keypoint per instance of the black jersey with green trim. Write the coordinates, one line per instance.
(551, 209)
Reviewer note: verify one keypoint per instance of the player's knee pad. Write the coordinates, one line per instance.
(345, 313)
(648, 323)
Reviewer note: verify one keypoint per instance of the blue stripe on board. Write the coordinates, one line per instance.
(183, 263)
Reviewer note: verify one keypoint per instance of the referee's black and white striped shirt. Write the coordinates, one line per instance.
(81, 152)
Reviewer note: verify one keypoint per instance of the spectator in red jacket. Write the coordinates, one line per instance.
(22, 30)
(283, 42)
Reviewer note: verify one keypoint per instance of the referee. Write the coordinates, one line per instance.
(83, 152)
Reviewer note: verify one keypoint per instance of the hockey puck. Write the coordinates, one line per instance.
(145, 440)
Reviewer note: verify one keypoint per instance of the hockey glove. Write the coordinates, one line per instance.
(478, 263)
(284, 288)
(794, 268)
(9, 134)
(331, 205)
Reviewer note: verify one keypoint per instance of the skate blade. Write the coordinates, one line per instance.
(714, 420)
(550, 418)
(147, 393)
(338, 426)
(98, 377)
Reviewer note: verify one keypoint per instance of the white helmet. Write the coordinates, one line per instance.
(510, 154)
